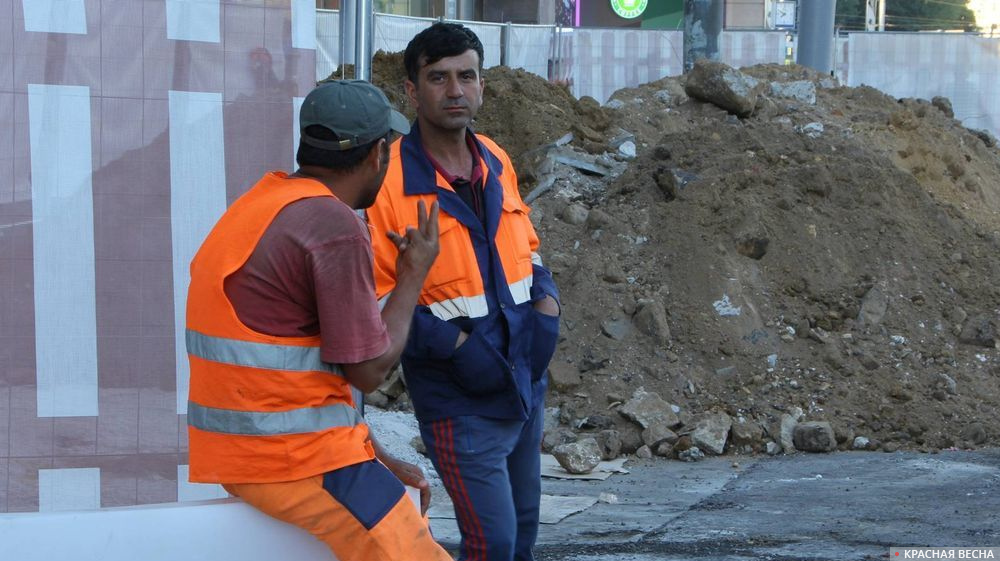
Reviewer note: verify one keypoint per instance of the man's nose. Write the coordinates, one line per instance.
(454, 87)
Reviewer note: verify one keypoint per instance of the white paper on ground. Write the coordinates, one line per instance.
(554, 508)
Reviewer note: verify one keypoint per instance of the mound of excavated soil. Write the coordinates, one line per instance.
(765, 245)
(837, 257)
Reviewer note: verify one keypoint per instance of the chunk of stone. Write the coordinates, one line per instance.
(723, 86)
(557, 437)
(651, 319)
(799, 90)
(787, 431)
(574, 214)
(610, 443)
(377, 399)
(564, 376)
(711, 430)
(647, 408)
(393, 387)
(873, 307)
(814, 436)
(597, 421)
(418, 444)
(578, 457)
(616, 329)
(978, 331)
(944, 104)
(692, 454)
(747, 435)
(657, 434)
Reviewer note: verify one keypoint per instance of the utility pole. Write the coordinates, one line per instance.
(356, 33)
(874, 15)
(816, 34)
(702, 30)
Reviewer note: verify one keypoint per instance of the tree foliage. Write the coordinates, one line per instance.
(910, 15)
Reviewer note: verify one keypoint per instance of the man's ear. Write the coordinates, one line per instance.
(411, 92)
(375, 156)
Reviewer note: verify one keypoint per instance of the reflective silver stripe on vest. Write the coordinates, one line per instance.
(256, 423)
(520, 291)
(256, 355)
(460, 306)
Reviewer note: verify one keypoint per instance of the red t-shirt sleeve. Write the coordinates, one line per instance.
(350, 323)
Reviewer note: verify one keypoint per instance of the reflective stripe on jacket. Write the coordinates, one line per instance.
(483, 282)
(261, 408)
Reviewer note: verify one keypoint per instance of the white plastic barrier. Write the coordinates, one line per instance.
(212, 530)
(192, 531)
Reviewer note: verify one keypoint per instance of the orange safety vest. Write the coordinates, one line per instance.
(454, 285)
(261, 408)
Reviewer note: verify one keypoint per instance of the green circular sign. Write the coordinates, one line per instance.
(629, 9)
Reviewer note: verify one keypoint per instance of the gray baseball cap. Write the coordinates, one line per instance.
(355, 110)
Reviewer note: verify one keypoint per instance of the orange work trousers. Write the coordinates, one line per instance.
(400, 535)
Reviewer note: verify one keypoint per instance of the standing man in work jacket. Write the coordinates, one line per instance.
(282, 321)
(487, 322)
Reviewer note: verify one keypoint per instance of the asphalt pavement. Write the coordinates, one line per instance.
(838, 506)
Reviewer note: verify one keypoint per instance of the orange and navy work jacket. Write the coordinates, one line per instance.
(484, 282)
(261, 408)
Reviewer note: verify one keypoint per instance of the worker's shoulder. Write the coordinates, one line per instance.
(318, 213)
(492, 146)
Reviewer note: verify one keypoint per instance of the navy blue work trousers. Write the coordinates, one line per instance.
(492, 471)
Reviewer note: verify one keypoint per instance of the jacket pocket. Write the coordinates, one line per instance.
(545, 336)
(479, 368)
(452, 267)
(517, 228)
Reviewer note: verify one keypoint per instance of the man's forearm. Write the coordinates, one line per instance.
(397, 316)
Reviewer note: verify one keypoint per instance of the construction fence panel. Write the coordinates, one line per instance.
(327, 42)
(530, 47)
(393, 33)
(963, 68)
(841, 60)
(490, 34)
(606, 60)
(747, 48)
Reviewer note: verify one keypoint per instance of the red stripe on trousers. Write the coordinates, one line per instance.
(477, 528)
(450, 474)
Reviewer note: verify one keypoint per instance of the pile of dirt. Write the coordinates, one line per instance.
(832, 254)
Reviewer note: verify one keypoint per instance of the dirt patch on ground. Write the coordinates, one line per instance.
(836, 256)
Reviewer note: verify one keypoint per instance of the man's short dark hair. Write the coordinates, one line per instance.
(439, 41)
(338, 160)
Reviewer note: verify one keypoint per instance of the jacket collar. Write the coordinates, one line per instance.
(420, 178)
(419, 175)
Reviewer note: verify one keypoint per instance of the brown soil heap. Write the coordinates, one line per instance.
(837, 257)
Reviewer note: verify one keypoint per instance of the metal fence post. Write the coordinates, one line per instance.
(505, 43)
